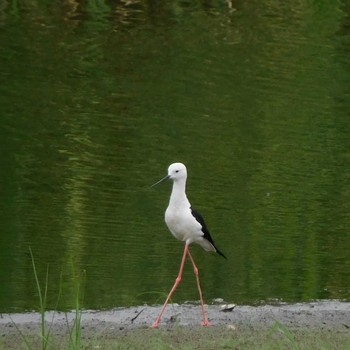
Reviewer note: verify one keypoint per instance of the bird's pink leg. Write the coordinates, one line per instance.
(177, 281)
(195, 269)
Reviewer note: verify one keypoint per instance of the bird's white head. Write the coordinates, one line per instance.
(177, 171)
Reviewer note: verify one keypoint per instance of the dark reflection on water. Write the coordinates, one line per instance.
(98, 98)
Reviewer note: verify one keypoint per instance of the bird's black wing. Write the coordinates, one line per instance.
(205, 230)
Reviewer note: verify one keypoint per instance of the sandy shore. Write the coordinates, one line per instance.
(323, 314)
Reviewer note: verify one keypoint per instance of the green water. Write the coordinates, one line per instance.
(97, 98)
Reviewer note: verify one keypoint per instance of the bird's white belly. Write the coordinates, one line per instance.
(183, 225)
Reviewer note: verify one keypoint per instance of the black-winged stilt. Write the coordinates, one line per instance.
(188, 226)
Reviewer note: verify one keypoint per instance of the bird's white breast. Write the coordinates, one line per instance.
(182, 224)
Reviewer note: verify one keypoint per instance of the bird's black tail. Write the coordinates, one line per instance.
(220, 253)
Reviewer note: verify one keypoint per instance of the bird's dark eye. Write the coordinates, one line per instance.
(176, 171)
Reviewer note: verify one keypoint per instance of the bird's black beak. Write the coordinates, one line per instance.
(161, 180)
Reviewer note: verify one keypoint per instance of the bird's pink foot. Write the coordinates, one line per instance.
(155, 324)
(206, 323)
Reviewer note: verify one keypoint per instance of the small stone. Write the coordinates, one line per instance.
(227, 307)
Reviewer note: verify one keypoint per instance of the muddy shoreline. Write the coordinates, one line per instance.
(321, 314)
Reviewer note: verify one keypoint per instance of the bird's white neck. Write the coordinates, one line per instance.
(178, 196)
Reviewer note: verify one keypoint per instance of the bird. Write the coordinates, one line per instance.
(187, 225)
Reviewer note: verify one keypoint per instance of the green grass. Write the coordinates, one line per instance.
(105, 337)
(75, 331)
(46, 341)
(219, 337)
